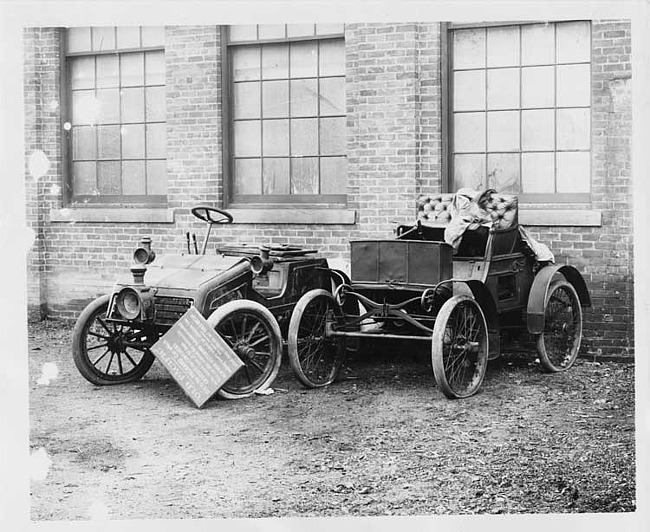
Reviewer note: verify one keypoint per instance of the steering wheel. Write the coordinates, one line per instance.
(204, 212)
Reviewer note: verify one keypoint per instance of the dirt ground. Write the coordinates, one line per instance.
(381, 441)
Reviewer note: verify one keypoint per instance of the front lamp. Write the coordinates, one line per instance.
(129, 303)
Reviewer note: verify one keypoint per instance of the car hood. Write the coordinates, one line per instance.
(184, 271)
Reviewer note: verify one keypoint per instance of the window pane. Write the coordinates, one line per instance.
(538, 44)
(133, 141)
(246, 100)
(503, 131)
(154, 68)
(329, 29)
(79, 40)
(276, 138)
(469, 171)
(133, 105)
(82, 73)
(133, 180)
(153, 36)
(538, 173)
(132, 69)
(469, 48)
(332, 96)
(304, 136)
(538, 130)
(573, 42)
(469, 132)
(573, 129)
(275, 99)
(85, 107)
(242, 32)
(103, 38)
(246, 63)
(537, 87)
(247, 138)
(332, 58)
(157, 177)
(503, 172)
(573, 171)
(108, 71)
(275, 61)
(84, 180)
(109, 106)
(573, 85)
(276, 176)
(304, 97)
(156, 105)
(303, 60)
(272, 31)
(156, 141)
(248, 176)
(332, 136)
(333, 175)
(304, 175)
(128, 37)
(83, 144)
(503, 46)
(300, 30)
(503, 88)
(108, 142)
(469, 90)
(108, 177)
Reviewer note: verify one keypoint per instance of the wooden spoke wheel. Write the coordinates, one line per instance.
(106, 352)
(559, 343)
(315, 358)
(253, 333)
(459, 352)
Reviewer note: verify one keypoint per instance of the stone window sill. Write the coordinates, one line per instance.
(560, 217)
(108, 215)
(296, 215)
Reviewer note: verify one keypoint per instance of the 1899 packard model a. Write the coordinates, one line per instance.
(465, 271)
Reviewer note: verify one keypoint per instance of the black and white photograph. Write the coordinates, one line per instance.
(320, 264)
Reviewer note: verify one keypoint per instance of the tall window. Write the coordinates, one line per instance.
(520, 109)
(116, 114)
(286, 98)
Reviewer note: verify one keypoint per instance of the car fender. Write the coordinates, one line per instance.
(485, 300)
(539, 289)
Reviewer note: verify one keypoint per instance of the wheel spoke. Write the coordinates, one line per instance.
(96, 346)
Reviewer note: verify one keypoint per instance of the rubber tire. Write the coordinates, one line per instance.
(544, 358)
(292, 341)
(437, 361)
(263, 315)
(79, 355)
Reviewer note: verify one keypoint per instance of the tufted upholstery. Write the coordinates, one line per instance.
(489, 207)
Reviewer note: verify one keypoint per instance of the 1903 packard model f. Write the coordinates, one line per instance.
(454, 289)
(455, 285)
(246, 294)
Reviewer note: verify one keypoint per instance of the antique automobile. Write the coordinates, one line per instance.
(464, 272)
(246, 293)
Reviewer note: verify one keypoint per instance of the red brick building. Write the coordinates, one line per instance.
(312, 134)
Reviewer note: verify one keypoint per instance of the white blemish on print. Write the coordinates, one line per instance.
(39, 464)
(38, 164)
(98, 511)
(49, 372)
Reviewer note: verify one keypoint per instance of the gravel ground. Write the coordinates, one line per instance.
(381, 441)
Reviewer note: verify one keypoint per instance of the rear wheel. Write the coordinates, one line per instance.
(315, 358)
(253, 334)
(459, 352)
(106, 352)
(559, 343)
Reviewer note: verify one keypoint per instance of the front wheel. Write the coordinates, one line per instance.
(254, 335)
(459, 347)
(559, 343)
(315, 357)
(106, 352)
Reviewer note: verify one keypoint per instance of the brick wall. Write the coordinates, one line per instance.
(394, 140)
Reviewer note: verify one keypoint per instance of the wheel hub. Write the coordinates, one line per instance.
(244, 351)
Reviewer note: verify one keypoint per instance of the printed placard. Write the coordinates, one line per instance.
(197, 358)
